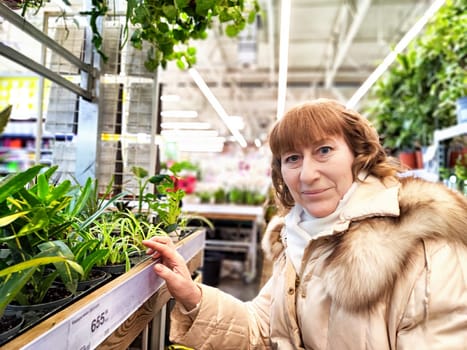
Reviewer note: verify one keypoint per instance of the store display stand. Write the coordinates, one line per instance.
(114, 315)
(235, 238)
(436, 155)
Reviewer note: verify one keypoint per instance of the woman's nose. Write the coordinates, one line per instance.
(310, 170)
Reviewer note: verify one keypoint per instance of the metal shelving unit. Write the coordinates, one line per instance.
(441, 136)
(106, 114)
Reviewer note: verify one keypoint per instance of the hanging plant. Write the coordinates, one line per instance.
(169, 26)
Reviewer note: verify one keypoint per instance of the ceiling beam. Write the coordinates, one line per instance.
(343, 47)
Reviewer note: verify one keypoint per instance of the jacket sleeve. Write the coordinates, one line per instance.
(224, 322)
(436, 314)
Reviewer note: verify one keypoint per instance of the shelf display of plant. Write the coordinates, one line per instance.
(235, 195)
(40, 221)
(118, 246)
(166, 201)
(55, 233)
(32, 221)
(456, 177)
(418, 93)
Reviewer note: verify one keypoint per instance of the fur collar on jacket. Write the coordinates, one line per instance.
(372, 253)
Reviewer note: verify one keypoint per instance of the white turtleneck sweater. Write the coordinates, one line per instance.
(301, 227)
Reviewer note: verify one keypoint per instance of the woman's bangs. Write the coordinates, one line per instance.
(302, 129)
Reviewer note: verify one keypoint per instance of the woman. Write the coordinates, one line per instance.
(365, 259)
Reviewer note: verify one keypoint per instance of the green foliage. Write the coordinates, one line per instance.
(169, 26)
(166, 201)
(88, 254)
(13, 278)
(37, 213)
(33, 223)
(5, 117)
(417, 94)
(99, 8)
(117, 245)
(51, 231)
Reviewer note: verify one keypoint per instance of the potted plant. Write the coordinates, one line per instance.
(119, 246)
(168, 27)
(34, 224)
(166, 201)
(88, 253)
(418, 94)
(25, 253)
(12, 280)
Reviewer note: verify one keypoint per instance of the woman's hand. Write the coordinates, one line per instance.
(172, 268)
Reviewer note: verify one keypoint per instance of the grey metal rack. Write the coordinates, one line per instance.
(16, 56)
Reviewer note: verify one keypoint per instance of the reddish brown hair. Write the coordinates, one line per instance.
(311, 122)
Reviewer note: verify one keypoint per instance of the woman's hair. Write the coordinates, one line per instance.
(314, 121)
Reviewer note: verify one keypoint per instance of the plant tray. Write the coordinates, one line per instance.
(34, 317)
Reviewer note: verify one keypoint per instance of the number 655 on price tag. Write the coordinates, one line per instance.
(90, 328)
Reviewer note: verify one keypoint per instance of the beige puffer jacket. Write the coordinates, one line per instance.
(393, 275)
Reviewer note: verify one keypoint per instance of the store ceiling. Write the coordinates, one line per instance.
(334, 46)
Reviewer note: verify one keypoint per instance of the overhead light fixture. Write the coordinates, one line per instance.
(187, 125)
(283, 57)
(202, 140)
(237, 122)
(179, 114)
(201, 148)
(217, 106)
(201, 144)
(170, 98)
(406, 39)
(176, 134)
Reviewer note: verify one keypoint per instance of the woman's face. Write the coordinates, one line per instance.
(318, 176)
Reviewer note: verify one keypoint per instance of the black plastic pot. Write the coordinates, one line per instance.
(212, 264)
(44, 307)
(96, 278)
(16, 320)
(114, 270)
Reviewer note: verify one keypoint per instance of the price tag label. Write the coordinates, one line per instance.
(89, 328)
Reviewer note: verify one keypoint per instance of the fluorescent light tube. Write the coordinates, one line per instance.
(216, 105)
(186, 125)
(188, 133)
(179, 114)
(283, 57)
(170, 98)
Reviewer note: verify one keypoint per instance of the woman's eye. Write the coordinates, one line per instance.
(291, 159)
(324, 150)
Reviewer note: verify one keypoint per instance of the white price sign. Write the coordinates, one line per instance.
(90, 328)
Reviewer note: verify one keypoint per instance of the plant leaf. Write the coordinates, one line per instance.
(6, 220)
(12, 184)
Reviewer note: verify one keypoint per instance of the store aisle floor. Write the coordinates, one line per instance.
(233, 284)
(238, 288)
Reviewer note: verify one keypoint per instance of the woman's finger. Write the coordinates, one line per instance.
(163, 271)
(161, 249)
(156, 244)
(163, 239)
